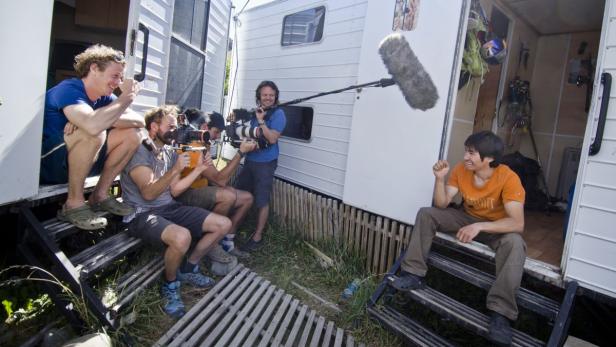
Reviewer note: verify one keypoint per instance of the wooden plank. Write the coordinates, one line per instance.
(254, 316)
(298, 323)
(229, 309)
(307, 328)
(328, 334)
(385, 239)
(352, 225)
(350, 341)
(318, 330)
(319, 229)
(337, 211)
(376, 251)
(274, 322)
(400, 242)
(330, 218)
(243, 314)
(339, 337)
(257, 330)
(345, 225)
(285, 323)
(370, 229)
(212, 318)
(391, 252)
(357, 232)
(189, 321)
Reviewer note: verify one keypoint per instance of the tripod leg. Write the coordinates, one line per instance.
(541, 172)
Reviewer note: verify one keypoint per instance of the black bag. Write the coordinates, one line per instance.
(528, 170)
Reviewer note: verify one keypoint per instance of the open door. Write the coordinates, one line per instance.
(392, 146)
(26, 26)
(591, 241)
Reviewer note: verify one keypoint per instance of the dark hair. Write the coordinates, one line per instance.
(216, 121)
(266, 84)
(195, 117)
(488, 145)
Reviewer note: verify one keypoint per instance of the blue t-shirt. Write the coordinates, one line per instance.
(275, 120)
(66, 93)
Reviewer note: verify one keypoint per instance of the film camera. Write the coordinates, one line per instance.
(240, 129)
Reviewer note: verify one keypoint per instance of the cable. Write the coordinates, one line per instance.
(243, 7)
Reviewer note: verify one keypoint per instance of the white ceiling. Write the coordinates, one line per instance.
(559, 16)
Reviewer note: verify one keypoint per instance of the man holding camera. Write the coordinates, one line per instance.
(150, 181)
(76, 139)
(217, 196)
(257, 175)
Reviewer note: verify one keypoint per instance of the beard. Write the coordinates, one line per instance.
(166, 137)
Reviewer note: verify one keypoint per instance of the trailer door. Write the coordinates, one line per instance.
(393, 147)
(590, 243)
(25, 27)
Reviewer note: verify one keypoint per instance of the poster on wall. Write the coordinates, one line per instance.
(406, 15)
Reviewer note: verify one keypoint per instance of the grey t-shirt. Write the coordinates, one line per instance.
(160, 165)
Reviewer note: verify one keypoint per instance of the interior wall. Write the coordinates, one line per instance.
(558, 116)
(466, 100)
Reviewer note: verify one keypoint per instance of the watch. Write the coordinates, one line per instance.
(242, 154)
(261, 122)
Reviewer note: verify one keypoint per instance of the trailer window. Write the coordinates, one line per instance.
(303, 27)
(187, 53)
(299, 122)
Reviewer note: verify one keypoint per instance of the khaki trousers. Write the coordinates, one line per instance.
(510, 252)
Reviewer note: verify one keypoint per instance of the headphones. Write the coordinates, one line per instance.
(266, 84)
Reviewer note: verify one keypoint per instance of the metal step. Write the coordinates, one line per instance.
(405, 326)
(525, 298)
(464, 315)
(102, 254)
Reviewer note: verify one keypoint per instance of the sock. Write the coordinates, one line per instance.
(187, 266)
(227, 242)
(167, 282)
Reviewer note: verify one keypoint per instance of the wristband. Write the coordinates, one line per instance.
(261, 123)
(242, 154)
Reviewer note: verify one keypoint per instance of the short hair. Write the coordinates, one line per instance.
(266, 84)
(216, 121)
(156, 114)
(97, 54)
(197, 118)
(487, 144)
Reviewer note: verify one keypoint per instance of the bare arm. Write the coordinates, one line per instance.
(151, 187)
(180, 184)
(443, 194)
(513, 223)
(130, 119)
(95, 121)
(270, 135)
(221, 178)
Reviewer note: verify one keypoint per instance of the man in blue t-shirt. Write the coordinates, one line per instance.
(257, 175)
(76, 139)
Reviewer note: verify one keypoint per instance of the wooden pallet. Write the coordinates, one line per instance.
(244, 309)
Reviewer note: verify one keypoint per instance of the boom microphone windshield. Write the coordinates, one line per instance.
(408, 73)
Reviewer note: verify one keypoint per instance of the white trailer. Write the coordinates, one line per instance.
(372, 151)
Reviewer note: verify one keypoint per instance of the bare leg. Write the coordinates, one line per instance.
(242, 206)
(215, 227)
(121, 145)
(262, 215)
(82, 149)
(225, 199)
(177, 239)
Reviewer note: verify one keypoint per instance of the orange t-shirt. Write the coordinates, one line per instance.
(488, 201)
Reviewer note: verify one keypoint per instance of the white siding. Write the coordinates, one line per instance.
(216, 53)
(157, 15)
(591, 239)
(304, 70)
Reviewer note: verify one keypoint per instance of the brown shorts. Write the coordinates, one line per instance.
(204, 197)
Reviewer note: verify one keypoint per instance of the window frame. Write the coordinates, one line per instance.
(196, 49)
(284, 19)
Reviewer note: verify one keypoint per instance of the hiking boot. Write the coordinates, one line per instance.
(218, 254)
(407, 282)
(500, 330)
(196, 278)
(173, 302)
(236, 252)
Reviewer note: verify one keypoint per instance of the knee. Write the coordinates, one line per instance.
(226, 196)
(180, 239)
(244, 198)
(131, 137)
(218, 224)
(513, 242)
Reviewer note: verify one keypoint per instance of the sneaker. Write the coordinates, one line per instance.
(252, 245)
(500, 330)
(173, 302)
(407, 282)
(236, 252)
(218, 254)
(196, 278)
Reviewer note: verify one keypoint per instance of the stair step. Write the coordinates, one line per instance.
(525, 298)
(135, 281)
(464, 315)
(104, 253)
(408, 328)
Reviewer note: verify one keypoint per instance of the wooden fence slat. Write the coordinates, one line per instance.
(385, 235)
(368, 249)
(337, 221)
(391, 252)
(352, 225)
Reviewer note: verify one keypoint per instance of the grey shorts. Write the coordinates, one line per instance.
(258, 178)
(149, 225)
(204, 197)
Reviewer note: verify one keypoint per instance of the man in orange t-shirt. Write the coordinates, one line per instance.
(493, 214)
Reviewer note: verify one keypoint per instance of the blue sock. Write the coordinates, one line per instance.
(227, 242)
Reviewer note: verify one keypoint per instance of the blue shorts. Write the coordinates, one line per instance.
(258, 178)
(54, 167)
(150, 225)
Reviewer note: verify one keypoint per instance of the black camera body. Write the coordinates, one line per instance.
(240, 129)
(186, 134)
